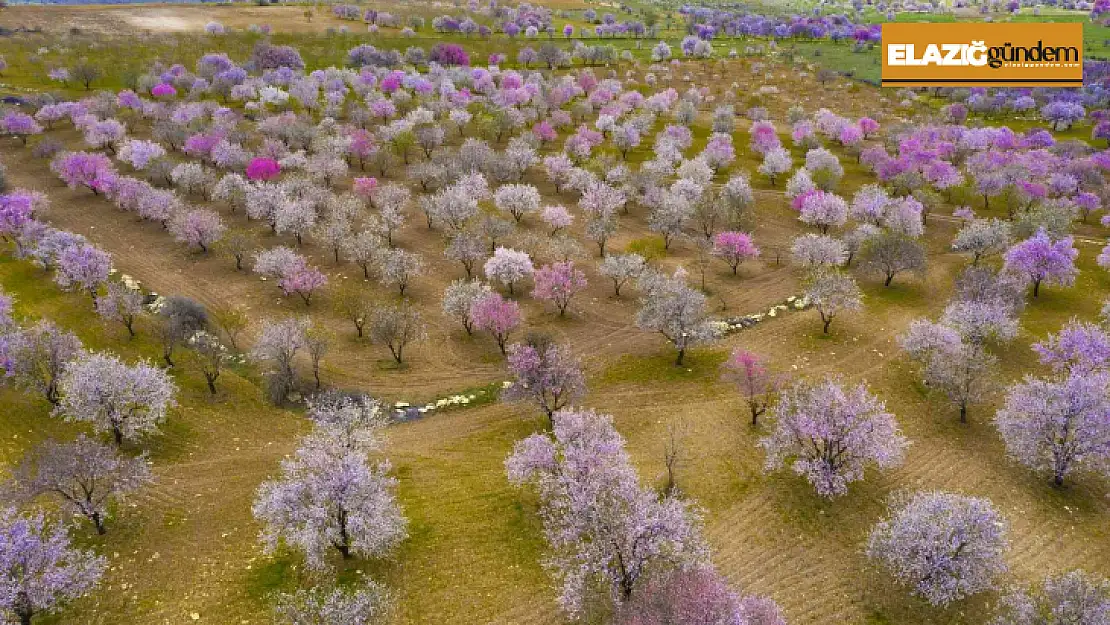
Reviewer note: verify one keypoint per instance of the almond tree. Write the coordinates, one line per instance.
(942, 545)
(508, 267)
(699, 593)
(558, 283)
(888, 254)
(1060, 425)
(753, 379)
(330, 497)
(831, 291)
(36, 358)
(396, 327)
(830, 434)
(622, 269)
(734, 248)
(459, 298)
(276, 349)
(364, 604)
(129, 401)
(546, 374)
(961, 369)
(1072, 597)
(39, 570)
(85, 475)
(121, 303)
(496, 315)
(603, 529)
(670, 307)
(1041, 260)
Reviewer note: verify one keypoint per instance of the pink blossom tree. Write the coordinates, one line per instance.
(753, 379)
(84, 169)
(734, 248)
(558, 283)
(496, 315)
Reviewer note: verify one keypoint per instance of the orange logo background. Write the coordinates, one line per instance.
(1047, 55)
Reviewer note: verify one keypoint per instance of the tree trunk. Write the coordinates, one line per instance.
(99, 523)
(117, 435)
(681, 355)
(827, 321)
(889, 278)
(1036, 287)
(963, 413)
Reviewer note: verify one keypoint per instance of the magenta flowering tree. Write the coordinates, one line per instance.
(496, 315)
(1060, 425)
(942, 545)
(603, 529)
(263, 169)
(753, 379)
(545, 374)
(544, 131)
(1040, 260)
(329, 496)
(84, 475)
(19, 125)
(449, 54)
(201, 228)
(91, 170)
(304, 281)
(127, 401)
(83, 266)
(734, 248)
(558, 283)
(508, 267)
(830, 434)
(40, 571)
(163, 91)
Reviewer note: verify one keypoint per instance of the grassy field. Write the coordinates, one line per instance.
(187, 546)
